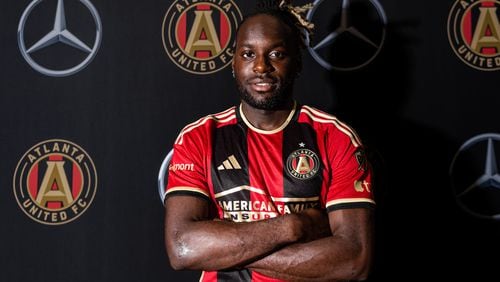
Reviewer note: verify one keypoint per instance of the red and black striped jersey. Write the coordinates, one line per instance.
(248, 174)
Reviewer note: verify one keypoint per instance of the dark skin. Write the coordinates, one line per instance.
(266, 72)
(306, 246)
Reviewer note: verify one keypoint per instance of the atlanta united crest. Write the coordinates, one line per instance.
(55, 182)
(474, 33)
(302, 164)
(199, 36)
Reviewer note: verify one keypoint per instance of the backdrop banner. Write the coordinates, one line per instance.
(93, 94)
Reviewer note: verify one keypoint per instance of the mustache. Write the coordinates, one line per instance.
(264, 78)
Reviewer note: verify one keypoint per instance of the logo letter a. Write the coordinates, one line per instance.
(203, 36)
(54, 175)
(303, 165)
(487, 19)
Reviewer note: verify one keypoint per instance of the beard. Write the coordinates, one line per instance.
(276, 101)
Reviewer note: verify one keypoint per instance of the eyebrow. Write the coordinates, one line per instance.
(278, 44)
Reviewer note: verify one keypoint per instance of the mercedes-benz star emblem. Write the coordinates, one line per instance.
(353, 39)
(475, 178)
(59, 34)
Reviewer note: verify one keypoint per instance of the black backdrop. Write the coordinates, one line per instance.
(414, 105)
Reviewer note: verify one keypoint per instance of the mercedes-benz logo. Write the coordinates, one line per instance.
(353, 39)
(475, 178)
(59, 34)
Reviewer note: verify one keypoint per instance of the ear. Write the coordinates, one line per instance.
(232, 68)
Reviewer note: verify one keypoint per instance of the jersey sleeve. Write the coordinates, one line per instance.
(187, 173)
(351, 174)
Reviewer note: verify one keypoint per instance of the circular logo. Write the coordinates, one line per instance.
(302, 164)
(59, 34)
(349, 33)
(55, 182)
(474, 176)
(199, 36)
(474, 33)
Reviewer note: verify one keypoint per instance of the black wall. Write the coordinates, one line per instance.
(414, 105)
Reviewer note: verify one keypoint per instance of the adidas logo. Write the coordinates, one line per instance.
(230, 163)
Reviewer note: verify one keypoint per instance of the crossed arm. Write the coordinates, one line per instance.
(307, 246)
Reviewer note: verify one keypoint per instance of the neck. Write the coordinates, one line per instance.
(267, 120)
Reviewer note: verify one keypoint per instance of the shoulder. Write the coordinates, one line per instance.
(207, 123)
(328, 124)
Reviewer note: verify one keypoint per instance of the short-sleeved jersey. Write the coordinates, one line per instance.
(248, 174)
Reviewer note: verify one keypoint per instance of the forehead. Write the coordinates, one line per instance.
(263, 27)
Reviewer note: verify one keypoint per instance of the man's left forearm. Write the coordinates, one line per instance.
(328, 259)
(345, 255)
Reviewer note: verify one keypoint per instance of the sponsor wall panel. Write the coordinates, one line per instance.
(415, 104)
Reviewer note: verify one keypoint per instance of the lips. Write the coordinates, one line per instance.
(262, 84)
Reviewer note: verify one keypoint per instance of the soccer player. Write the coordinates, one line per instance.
(270, 190)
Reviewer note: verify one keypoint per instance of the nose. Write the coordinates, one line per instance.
(262, 65)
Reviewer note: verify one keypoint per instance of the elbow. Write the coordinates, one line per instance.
(356, 268)
(361, 267)
(361, 274)
(177, 262)
(179, 258)
(180, 255)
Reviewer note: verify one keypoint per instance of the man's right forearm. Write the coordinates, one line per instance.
(195, 242)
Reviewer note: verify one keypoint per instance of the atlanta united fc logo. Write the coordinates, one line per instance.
(55, 182)
(302, 164)
(474, 33)
(198, 36)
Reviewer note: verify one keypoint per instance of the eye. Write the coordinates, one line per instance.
(276, 54)
(247, 54)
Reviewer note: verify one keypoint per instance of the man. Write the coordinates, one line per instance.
(272, 191)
